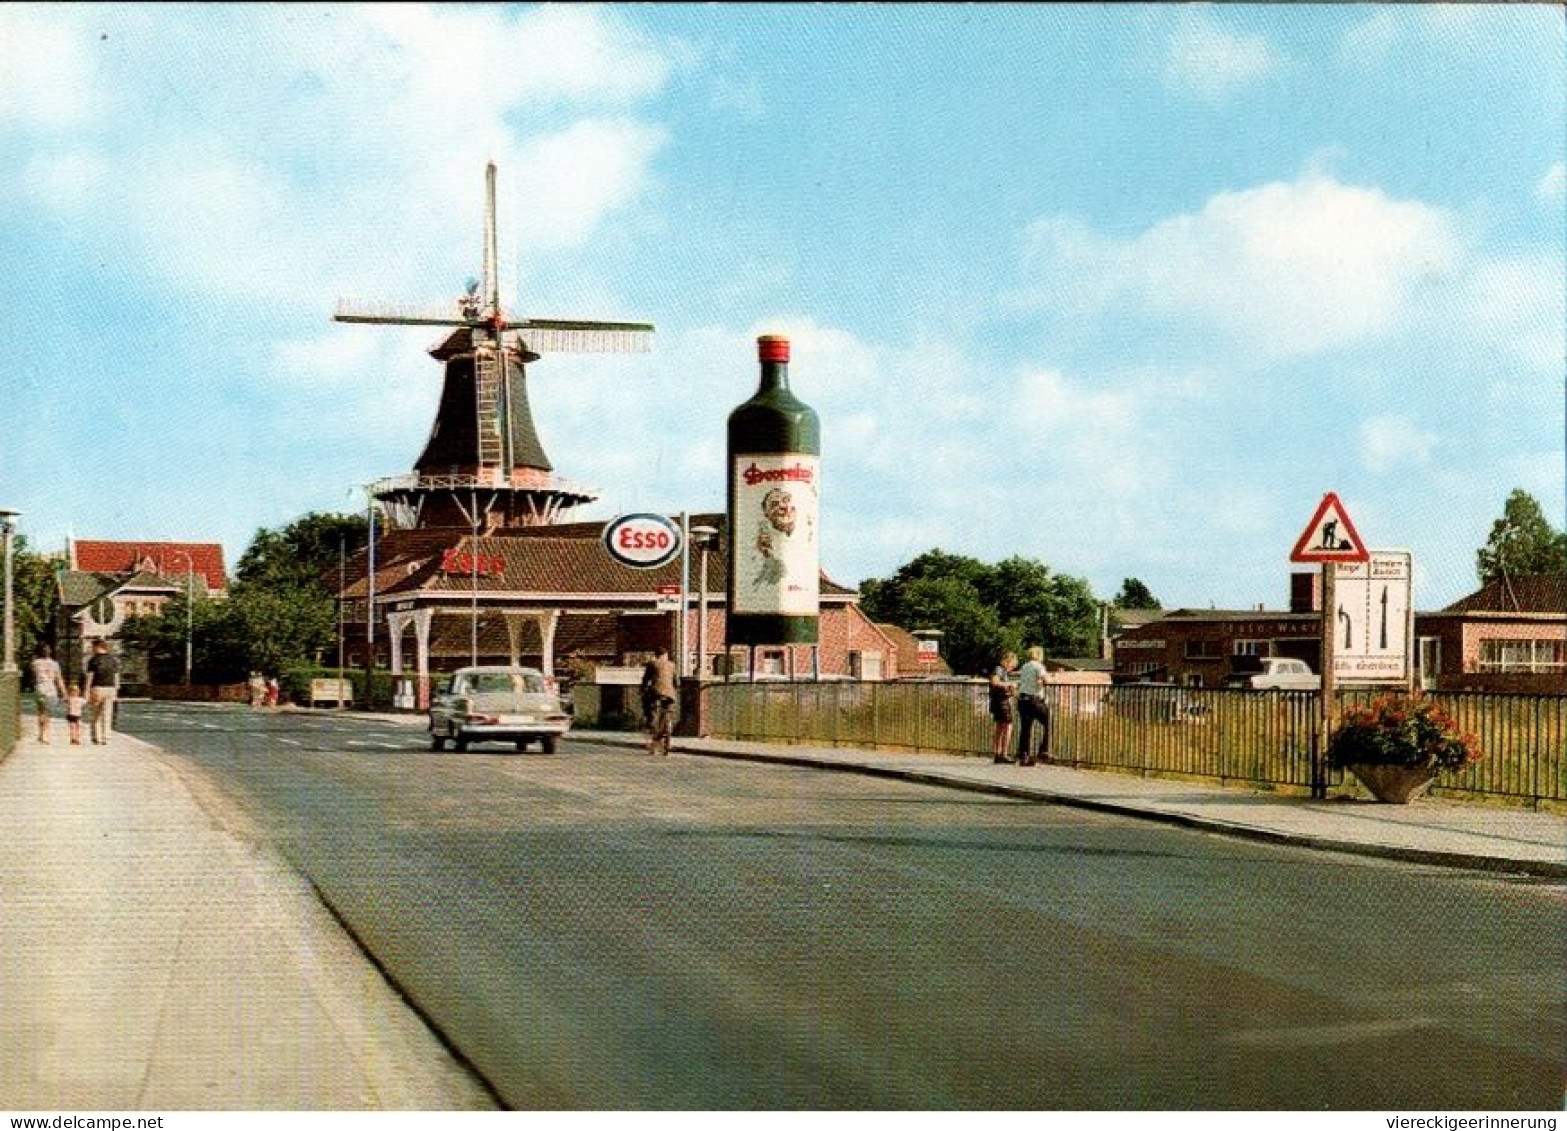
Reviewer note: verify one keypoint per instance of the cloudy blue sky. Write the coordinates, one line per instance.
(1125, 289)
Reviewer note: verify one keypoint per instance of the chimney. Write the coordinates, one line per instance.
(1306, 592)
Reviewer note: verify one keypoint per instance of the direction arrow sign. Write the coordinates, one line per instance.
(1330, 536)
(1371, 618)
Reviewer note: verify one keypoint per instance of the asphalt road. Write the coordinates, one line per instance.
(603, 930)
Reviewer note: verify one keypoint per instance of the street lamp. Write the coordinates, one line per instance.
(704, 536)
(190, 573)
(8, 529)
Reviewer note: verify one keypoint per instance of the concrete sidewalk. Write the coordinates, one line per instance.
(156, 959)
(1431, 831)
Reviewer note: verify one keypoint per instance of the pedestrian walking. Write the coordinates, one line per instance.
(74, 703)
(1001, 711)
(258, 691)
(272, 692)
(103, 688)
(658, 700)
(48, 687)
(1032, 708)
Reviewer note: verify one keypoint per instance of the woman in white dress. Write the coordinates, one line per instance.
(48, 687)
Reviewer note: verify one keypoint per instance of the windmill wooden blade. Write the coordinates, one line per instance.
(396, 314)
(544, 335)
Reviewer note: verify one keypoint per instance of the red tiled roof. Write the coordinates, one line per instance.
(908, 648)
(566, 559)
(1531, 593)
(166, 558)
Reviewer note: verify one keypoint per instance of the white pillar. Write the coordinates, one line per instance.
(395, 624)
(548, 622)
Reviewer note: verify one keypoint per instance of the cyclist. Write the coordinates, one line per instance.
(658, 700)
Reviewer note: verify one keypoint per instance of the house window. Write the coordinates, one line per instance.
(1523, 655)
(1253, 648)
(1204, 650)
(770, 663)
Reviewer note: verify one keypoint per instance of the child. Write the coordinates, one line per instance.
(73, 712)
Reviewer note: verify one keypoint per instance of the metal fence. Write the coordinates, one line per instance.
(1230, 735)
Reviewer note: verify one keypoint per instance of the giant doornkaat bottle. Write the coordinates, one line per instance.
(774, 510)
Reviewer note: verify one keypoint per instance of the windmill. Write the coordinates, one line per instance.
(483, 464)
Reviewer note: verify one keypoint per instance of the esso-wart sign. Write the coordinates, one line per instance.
(642, 541)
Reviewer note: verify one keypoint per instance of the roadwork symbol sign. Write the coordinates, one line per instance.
(1329, 536)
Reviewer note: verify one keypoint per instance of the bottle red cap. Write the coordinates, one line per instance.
(772, 347)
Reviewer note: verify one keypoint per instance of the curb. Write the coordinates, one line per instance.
(1435, 857)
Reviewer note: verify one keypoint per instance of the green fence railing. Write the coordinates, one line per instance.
(1232, 735)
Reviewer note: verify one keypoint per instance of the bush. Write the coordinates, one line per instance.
(1401, 730)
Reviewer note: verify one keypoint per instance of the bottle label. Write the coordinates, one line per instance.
(773, 513)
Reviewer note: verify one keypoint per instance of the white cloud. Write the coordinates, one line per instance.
(1286, 269)
(48, 71)
(1552, 189)
(353, 160)
(1370, 40)
(1518, 306)
(1212, 62)
(1391, 442)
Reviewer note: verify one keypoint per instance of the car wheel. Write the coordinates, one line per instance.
(437, 742)
(460, 744)
(521, 744)
(547, 743)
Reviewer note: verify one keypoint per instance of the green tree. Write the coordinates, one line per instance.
(984, 610)
(1522, 542)
(1135, 595)
(36, 593)
(303, 553)
(279, 611)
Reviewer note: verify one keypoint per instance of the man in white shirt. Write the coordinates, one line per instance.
(1032, 707)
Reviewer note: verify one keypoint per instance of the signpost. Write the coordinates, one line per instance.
(1372, 618)
(1329, 538)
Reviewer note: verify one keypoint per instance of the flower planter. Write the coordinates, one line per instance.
(1396, 785)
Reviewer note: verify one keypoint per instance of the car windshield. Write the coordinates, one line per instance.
(505, 682)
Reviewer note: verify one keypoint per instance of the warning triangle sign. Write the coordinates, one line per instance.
(1330, 536)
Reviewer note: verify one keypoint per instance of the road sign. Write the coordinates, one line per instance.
(1330, 536)
(1371, 618)
(642, 541)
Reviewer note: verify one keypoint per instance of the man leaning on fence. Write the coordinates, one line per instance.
(1032, 708)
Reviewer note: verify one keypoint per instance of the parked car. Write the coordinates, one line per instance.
(498, 704)
(1274, 672)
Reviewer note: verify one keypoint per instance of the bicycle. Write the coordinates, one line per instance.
(661, 724)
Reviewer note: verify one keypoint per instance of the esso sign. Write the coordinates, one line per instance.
(642, 541)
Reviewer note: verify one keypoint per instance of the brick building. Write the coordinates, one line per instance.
(103, 583)
(551, 596)
(1510, 635)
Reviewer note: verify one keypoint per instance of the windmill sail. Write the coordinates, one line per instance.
(483, 433)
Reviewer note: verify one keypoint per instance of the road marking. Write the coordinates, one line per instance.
(291, 742)
(1351, 1032)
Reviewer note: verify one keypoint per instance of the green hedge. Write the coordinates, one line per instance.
(295, 684)
(10, 710)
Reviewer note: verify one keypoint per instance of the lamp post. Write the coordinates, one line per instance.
(8, 529)
(704, 537)
(190, 573)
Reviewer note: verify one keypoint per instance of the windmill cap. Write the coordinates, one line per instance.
(772, 347)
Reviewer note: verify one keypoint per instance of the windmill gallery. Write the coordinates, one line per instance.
(475, 552)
